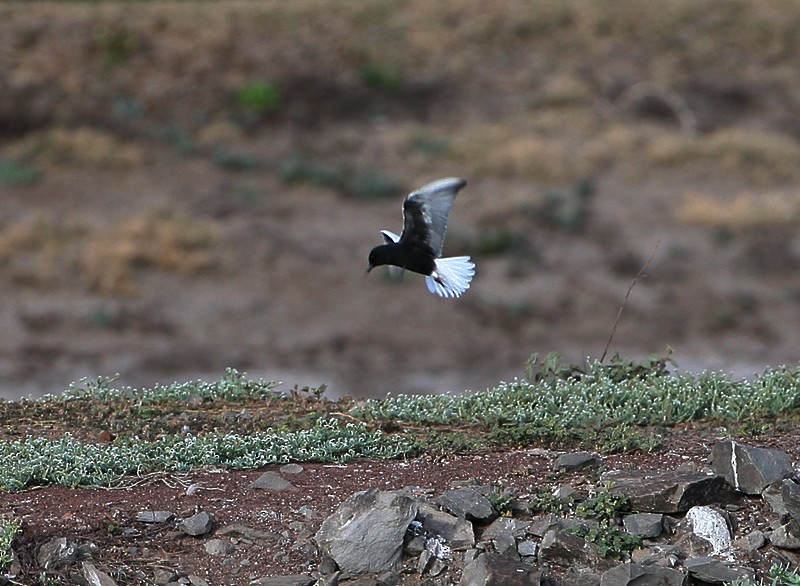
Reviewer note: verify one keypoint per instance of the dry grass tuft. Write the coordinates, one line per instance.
(166, 242)
(83, 147)
(490, 150)
(761, 157)
(746, 210)
(46, 250)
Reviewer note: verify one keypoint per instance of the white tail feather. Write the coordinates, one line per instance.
(452, 276)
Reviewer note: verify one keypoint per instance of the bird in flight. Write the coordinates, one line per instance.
(419, 247)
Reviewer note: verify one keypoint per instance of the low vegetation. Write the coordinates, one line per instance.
(95, 433)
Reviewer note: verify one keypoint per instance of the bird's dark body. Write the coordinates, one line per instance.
(412, 251)
(419, 259)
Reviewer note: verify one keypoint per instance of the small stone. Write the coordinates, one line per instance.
(710, 525)
(197, 581)
(711, 571)
(577, 461)
(786, 536)
(773, 496)
(541, 525)
(527, 548)
(291, 469)
(565, 549)
(154, 516)
(790, 494)
(198, 524)
(468, 503)
(579, 577)
(247, 532)
(503, 533)
(163, 576)
(293, 580)
(645, 525)
(457, 532)
(273, 481)
(637, 574)
(56, 553)
(219, 547)
(661, 491)
(95, 577)
(492, 569)
(751, 542)
(749, 469)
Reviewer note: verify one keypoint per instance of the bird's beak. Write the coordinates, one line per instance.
(369, 268)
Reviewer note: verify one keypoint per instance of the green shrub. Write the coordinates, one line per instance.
(259, 97)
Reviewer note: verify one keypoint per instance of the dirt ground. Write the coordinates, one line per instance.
(205, 183)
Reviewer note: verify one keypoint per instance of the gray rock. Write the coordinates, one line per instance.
(247, 532)
(219, 547)
(542, 524)
(154, 516)
(56, 553)
(566, 492)
(565, 549)
(95, 577)
(330, 579)
(273, 481)
(163, 576)
(468, 503)
(787, 536)
(293, 580)
(578, 577)
(291, 469)
(773, 496)
(749, 470)
(658, 554)
(365, 533)
(430, 565)
(527, 548)
(661, 491)
(790, 495)
(577, 461)
(710, 525)
(492, 569)
(61, 552)
(196, 580)
(457, 532)
(645, 525)
(751, 542)
(713, 571)
(198, 524)
(639, 575)
(503, 533)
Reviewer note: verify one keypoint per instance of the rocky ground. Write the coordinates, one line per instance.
(233, 527)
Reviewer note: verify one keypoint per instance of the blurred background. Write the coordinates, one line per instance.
(190, 186)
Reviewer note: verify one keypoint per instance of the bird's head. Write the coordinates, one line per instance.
(380, 255)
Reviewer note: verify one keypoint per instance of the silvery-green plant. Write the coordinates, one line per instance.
(232, 386)
(66, 461)
(8, 530)
(597, 398)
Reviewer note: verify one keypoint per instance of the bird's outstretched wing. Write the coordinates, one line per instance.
(425, 213)
(390, 237)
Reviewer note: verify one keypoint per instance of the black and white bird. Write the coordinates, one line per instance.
(419, 247)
